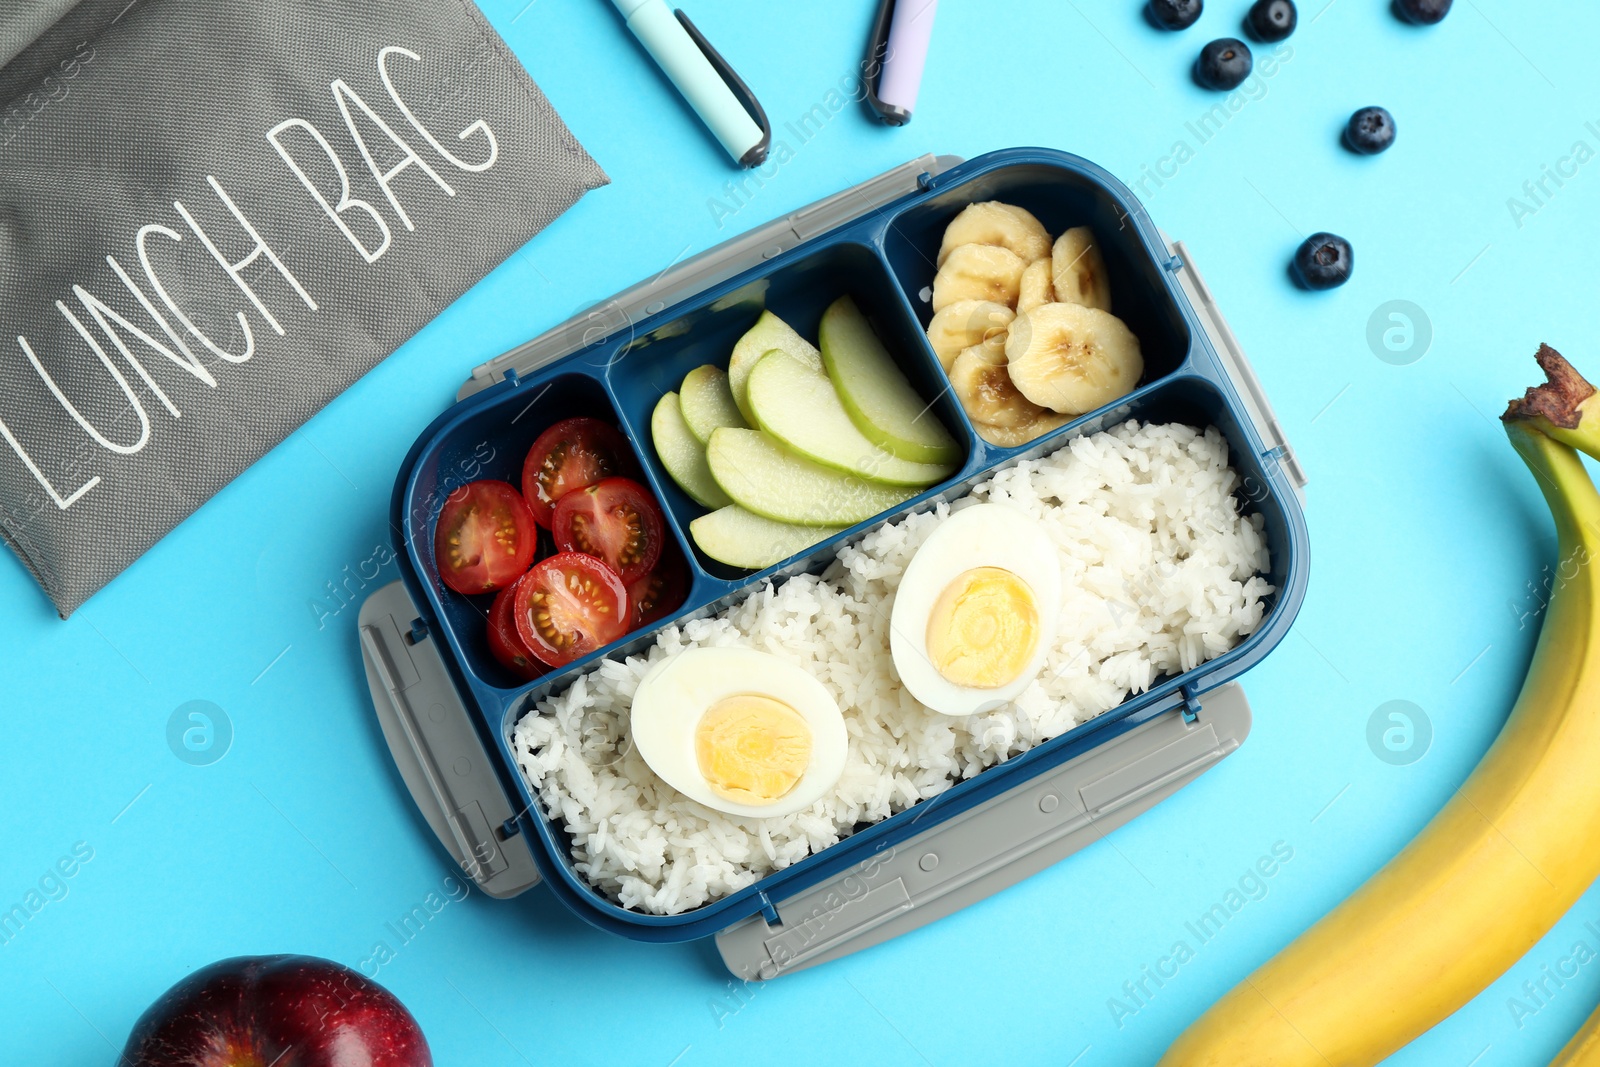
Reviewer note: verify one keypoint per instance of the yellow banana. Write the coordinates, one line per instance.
(1584, 1048)
(1494, 870)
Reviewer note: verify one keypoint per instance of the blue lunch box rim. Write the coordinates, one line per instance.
(549, 844)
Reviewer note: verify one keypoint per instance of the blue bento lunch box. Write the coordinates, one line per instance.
(447, 708)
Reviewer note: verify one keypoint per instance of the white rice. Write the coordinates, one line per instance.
(1160, 573)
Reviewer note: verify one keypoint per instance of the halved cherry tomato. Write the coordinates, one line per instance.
(570, 455)
(659, 593)
(485, 537)
(505, 644)
(568, 606)
(616, 520)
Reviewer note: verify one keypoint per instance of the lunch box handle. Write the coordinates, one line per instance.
(1236, 364)
(994, 845)
(708, 268)
(437, 749)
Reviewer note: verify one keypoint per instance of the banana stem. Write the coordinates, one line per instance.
(1566, 407)
(1563, 412)
(1574, 504)
(1584, 1048)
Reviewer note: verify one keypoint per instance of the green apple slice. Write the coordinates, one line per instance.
(683, 455)
(768, 333)
(882, 404)
(761, 476)
(796, 403)
(707, 403)
(742, 538)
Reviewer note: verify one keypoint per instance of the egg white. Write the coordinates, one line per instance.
(983, 535)
(671, 699)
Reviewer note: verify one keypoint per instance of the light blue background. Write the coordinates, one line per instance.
(1425, 530)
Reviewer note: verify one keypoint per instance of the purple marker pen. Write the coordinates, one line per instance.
(903, 51)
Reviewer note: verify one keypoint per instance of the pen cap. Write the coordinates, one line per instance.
(686, 65)
(906, 53)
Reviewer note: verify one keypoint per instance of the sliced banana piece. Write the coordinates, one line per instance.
(978, 272)
(1072, 359)
(986, 392)
(1016, 436)
(965, 323)
(994, 223)
(1037, 285)
(1080, 270)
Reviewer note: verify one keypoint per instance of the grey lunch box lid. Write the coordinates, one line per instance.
(452, 776)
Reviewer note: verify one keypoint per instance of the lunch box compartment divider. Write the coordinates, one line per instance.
(883, 258)
(797, 289)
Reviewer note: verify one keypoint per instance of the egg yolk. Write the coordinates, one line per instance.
(752, 749)
(983, 629)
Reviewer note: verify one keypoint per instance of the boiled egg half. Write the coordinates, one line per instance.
(740, 731)
(975, 614)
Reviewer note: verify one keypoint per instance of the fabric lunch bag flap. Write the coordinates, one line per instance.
(214, 217)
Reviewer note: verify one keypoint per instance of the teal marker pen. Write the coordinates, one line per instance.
(704, 78)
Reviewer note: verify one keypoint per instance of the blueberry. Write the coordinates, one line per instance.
(1175, 14)
(1272, 20)
(1369, 131)
(1324, 261)
(1224, 64)
(1422, 12)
